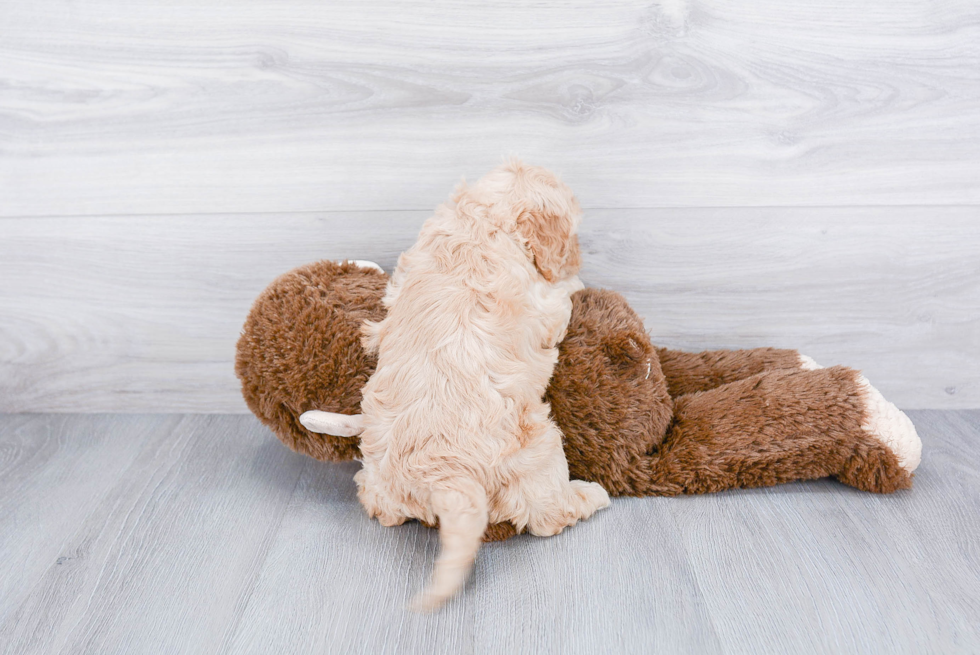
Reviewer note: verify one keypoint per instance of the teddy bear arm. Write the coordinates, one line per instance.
(779, 426)
(688, 372)
(332, 423)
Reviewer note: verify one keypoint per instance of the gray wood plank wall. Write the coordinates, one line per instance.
(754, 173)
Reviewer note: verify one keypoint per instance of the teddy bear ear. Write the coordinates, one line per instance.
(623, 348)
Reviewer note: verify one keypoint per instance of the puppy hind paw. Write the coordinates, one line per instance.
(591, 498)
(390, 520)
(375, 504)
(889, 425)
(580, 500)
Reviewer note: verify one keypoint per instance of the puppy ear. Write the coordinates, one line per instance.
(549, 236)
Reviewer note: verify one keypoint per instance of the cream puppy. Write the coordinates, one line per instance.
(455, 428)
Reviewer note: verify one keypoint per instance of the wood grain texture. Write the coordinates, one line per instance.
(53, 471)
(113, 107)
(139, 313)
(203, 534)
(183, 522)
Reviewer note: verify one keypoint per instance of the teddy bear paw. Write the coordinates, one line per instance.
(337, 425)
(889, 425)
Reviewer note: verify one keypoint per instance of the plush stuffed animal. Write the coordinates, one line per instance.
(637, 419)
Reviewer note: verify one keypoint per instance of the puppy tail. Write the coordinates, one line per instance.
(463, 518)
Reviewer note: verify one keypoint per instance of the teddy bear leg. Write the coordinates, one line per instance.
(692, 372)
(779, 426)
(898, 438)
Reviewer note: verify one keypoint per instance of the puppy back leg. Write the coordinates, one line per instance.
(539, 494)
(461, 506)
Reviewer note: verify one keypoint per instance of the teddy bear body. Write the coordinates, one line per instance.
(637, 419)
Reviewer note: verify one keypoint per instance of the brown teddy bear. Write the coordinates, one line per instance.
(637, 419)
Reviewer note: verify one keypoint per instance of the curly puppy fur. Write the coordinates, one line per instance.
(455, 427)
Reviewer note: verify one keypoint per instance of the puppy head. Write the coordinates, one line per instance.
(541, 211)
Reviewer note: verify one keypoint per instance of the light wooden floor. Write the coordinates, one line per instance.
(202, 534)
